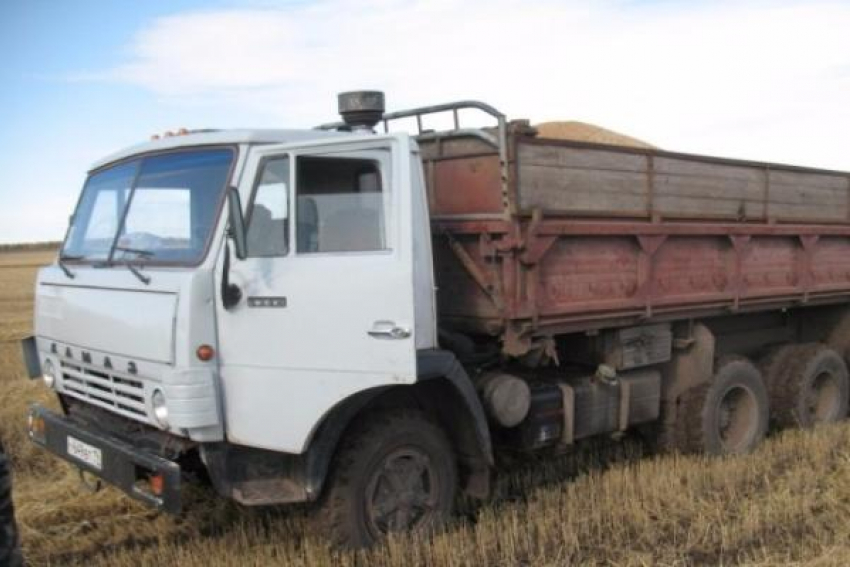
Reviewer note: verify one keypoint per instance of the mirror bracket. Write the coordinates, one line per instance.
(236, 223)
(230, 293)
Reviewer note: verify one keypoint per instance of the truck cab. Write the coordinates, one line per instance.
(238, 296)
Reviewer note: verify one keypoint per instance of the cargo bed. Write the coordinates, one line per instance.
(560, 236)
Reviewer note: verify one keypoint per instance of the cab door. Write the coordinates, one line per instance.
(327, 306)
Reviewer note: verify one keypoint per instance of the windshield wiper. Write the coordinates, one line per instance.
(60, 261)
(142, 277)
(132, 267)
(137, 251)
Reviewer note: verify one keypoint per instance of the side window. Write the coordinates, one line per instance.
(340, 205)
(268, 225)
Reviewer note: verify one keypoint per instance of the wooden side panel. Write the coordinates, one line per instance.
(581, 180)
(808, 196)
(564, 157)
(685, 188)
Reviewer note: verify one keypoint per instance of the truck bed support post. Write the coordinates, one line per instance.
(569, 395)
(625, 401)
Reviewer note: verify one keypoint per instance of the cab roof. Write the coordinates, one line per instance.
(218, 137)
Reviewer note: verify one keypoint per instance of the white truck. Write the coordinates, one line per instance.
(292, 347)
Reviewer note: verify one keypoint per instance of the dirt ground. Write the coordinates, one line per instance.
(606, 504)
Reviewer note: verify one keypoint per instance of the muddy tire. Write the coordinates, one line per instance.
(10, 551)
(394, 472)
(813, 388)
(728, 415)
(773, 366)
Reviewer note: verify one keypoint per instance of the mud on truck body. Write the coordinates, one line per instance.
(362, 320)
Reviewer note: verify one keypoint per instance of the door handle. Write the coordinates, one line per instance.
(388, 330)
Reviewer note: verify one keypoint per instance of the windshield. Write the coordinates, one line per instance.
(160, 208)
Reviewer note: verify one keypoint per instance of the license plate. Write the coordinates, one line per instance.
(88, 454)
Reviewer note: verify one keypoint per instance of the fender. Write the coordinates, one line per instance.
(255, 476)
(432, 365)
(436, 363)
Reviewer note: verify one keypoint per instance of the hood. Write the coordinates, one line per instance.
(108, 313)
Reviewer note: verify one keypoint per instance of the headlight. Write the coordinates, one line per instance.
(48, 372)
(160, 411)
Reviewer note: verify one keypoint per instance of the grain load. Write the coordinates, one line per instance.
(584, 132)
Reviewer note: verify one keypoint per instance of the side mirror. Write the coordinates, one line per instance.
(236, 229)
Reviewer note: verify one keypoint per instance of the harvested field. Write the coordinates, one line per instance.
(609, 504)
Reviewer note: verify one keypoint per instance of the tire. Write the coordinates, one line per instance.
(728, 415)
(814, 388)
(10, 551)
(395, 471)
(774, 366)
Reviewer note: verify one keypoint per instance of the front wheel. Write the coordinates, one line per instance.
(394, 472)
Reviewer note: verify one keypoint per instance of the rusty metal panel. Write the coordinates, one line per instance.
(455, 147)
(593, 274)
(687, 267)
(460, 298)
(468, 185)
(589, 272)
(831, 263)
(772, 263)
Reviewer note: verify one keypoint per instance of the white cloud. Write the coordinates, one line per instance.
(764, 80)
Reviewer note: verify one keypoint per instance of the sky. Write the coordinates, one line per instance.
(762, 80)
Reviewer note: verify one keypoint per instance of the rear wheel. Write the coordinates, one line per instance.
(814, 387)
(728, 415)
(394, 472)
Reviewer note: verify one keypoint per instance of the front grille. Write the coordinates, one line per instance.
(125, 396)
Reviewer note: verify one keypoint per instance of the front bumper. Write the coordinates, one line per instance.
(141, 474)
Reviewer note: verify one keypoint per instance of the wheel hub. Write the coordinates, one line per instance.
(737, 418)
(401, 492)
(823, 399)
